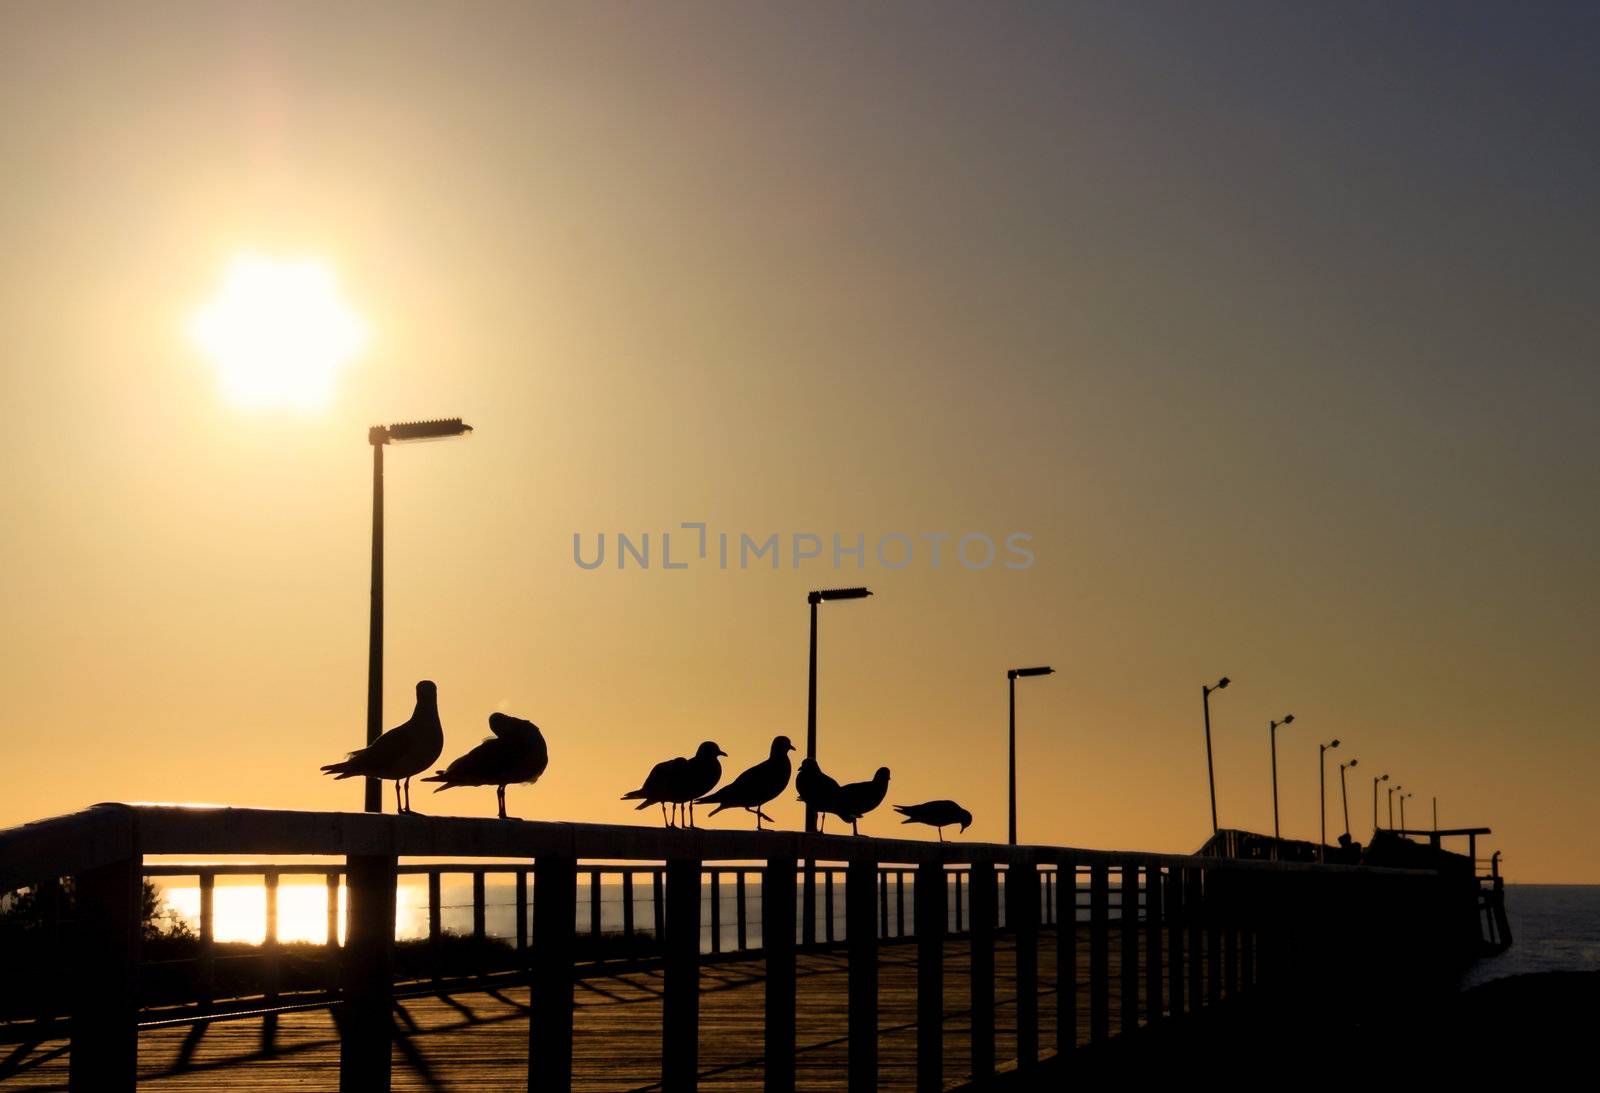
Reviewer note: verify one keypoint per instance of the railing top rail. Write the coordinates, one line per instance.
(110, 832)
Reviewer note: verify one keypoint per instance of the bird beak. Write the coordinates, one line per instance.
(722, 753)
(791, 747)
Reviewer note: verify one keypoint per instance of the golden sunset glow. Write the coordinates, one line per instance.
(278, 331)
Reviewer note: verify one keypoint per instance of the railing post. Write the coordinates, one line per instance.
(555, 928)
(983, 889)
(861, 929)
(522, 918)
(104, 999)
(1066, 914)
(1208, 911)
(332, 884)
(827, 909)
(208, 936)
(716, 910)
(478, 908)
(1174, 915)
(658, 907)
(1099, 952)
(777, 945)
(899, 903)
(594, 912)
(930, 922)
(367, 974)
(1153, 1007)
(680, 995)
(627, 910)
(1022, 916)
(1224, 909)
(1129, 877)
(270, 953)
(960, 927)
(1192, 918)
(740, 934)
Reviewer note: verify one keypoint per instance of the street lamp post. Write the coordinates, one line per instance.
(1344, 793)
(1272, 732)
(1322, 797)
(379, 436)
(809, 903)
(1011, 686)
(1403, 797)
(1211, 771)
(1392, 791)
(1375, 781)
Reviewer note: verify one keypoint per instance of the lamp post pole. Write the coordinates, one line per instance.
(1272, 731)
(1391, 805)
(1011, 685)
(1376, 779)
(380, 436)
(1344, 793)
(1211, 770)
(1322, 798)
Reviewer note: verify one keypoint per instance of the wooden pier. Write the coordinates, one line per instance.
(995, 959)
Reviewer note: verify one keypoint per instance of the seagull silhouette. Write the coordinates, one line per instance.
(819, 791)
(856, 799)
(402, 751)
(679, 781)
(756, 786)
(937, 814)
(516, 753)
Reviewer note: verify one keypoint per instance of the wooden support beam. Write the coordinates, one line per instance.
(861, 929)
(522, 918)
(104, 997)
(984, 907)
(680, 994)
(271, 953)
(1173, 907)
(931, 916)
(1066, 914)
(658, 906)
(627, 908)
(1193, 919)
(594, 908)
(555, 930)
(778, 948)
(1153, 1005)
(208, 937)
(1099, 952)
(367, 975)
(435, 927)
(1129, 929)
(716, 911)
(1022, 916)
(740, 912)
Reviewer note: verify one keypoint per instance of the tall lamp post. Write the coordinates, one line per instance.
(1375, 781)
(1403, 797)
(1344, 793)
(1011, 685)
(1272, 732)
(379, 436)
(1392, 790)
(1211, 771)
(1322, 797)
(809, 904)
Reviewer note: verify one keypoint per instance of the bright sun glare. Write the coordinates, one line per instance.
(278, 331)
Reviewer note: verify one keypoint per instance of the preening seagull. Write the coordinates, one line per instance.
(402, 751)
(679, 781)
(515, 754)
(856, 799)
(756, 786)
(939, 814)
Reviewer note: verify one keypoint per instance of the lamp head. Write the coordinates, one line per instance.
(837, 594)
(1335, 742)
(437, 429)
(1221, 683)
(1043, 670)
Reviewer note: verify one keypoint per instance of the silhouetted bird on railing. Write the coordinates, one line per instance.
(516, 753)
(402, 751)
(939, 814)
(819, 791)
(679, 781)
(756, 786)
(856, 799)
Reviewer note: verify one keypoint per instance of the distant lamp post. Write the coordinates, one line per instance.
(1344, 793)
(1322, 796)
(1272, 732)
(825, 595)
(1375, 781)
(1012, 674)
(1392, 791)
(1436, 814)
(380, 436)
(1211, 770)
(1403, 797)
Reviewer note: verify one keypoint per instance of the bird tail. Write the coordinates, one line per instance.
(640, 806)
(436, 776)
(633, 796)
(902, 809)
(341, 770)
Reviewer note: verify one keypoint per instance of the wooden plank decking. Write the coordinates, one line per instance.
(477, 1039)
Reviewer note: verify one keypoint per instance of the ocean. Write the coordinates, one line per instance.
(1554, 928)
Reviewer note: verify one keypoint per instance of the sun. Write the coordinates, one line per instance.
(278, 332)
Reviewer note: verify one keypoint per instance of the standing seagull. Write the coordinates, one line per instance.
(859, 798)
(516, 753)
(819, 791)
(756, 786)
(402, 751)
(679, 781)
(939, 814)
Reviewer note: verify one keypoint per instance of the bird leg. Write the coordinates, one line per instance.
(408, 795)
(941, 834)
(399, 806)
(500, 794)
(691, 813)
(853, 829)
(664, 822)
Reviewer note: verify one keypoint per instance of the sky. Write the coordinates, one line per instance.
(1270, 326)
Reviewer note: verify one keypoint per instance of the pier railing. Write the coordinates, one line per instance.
(1184, 932)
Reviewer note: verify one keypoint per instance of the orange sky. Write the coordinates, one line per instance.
(1273, 334)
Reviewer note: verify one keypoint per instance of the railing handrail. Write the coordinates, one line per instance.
(112, 832)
